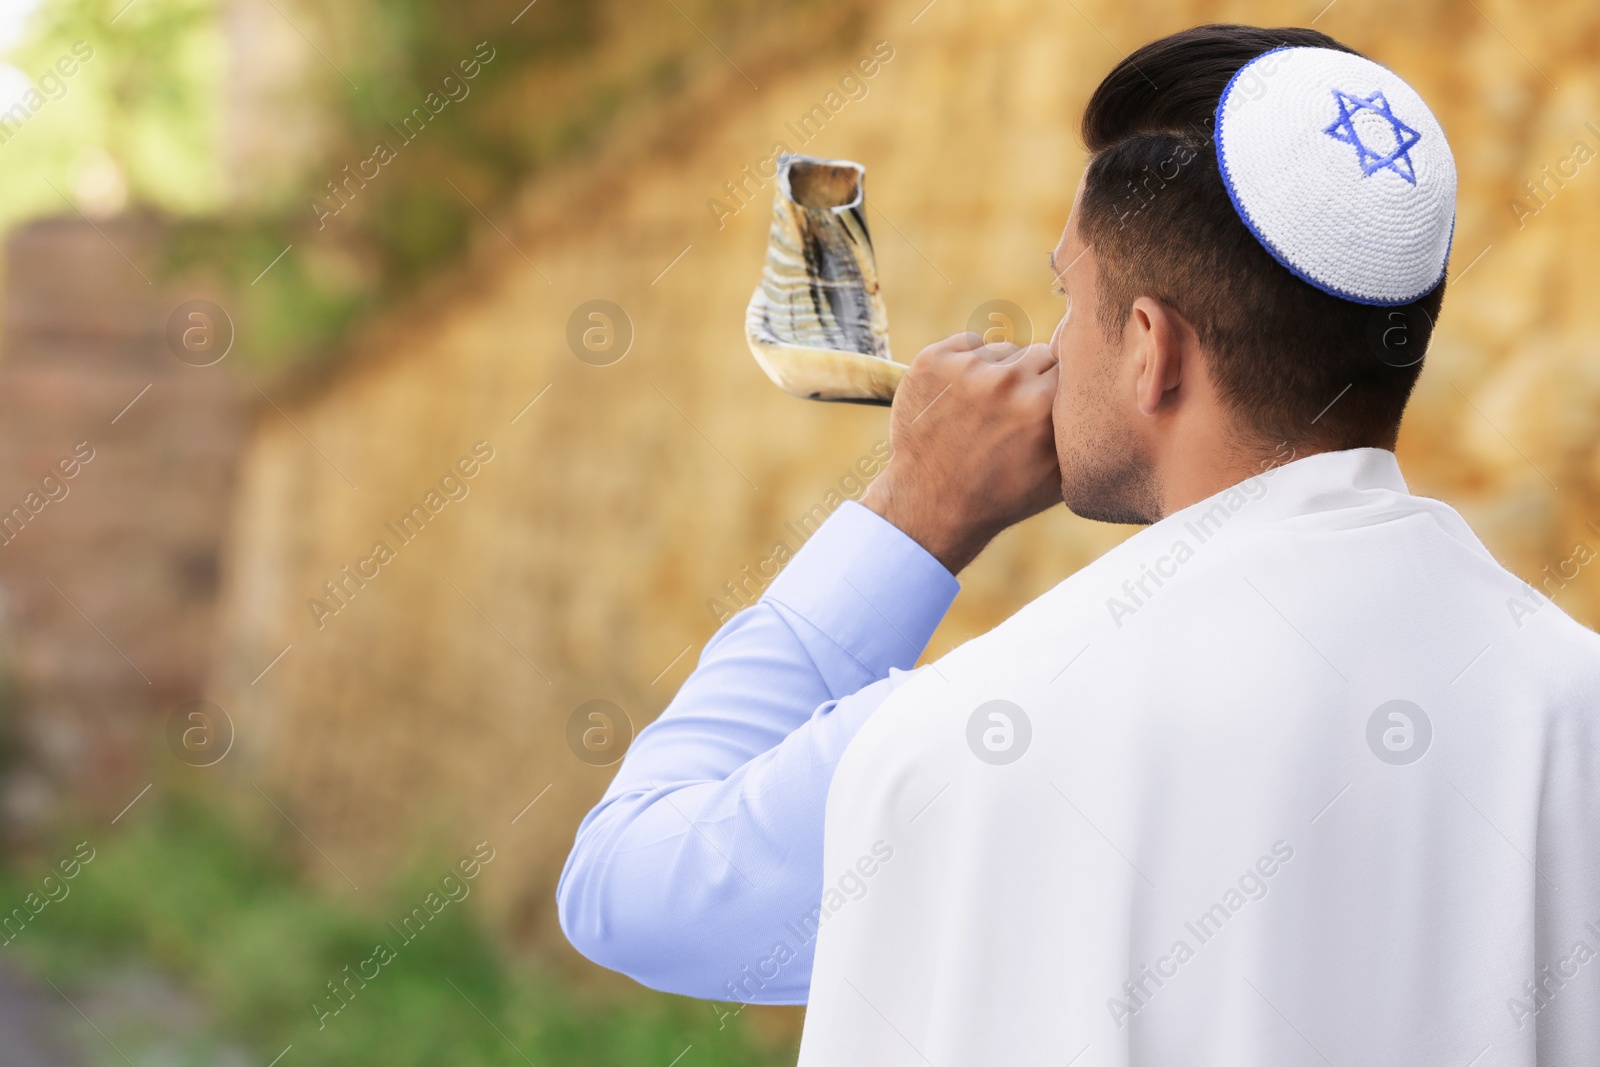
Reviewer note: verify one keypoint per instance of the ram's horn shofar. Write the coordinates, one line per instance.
(816, 323)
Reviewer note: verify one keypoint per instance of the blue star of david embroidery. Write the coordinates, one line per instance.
(1398, 158)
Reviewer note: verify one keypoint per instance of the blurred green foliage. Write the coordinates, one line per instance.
(217, 909)
(147, 99)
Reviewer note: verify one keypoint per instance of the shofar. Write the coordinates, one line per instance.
(816, 323)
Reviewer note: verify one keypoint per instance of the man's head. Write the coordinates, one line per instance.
(1186, 344)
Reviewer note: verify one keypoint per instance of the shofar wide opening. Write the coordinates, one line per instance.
(824, 185)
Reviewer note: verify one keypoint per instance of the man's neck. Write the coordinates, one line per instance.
(1210, 471)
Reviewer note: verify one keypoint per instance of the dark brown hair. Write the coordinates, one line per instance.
(1155, 209)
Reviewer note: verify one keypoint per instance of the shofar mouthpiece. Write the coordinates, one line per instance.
(816, 323)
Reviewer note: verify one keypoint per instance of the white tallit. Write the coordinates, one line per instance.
(1220, 844)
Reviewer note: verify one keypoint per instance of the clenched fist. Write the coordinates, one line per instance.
(974, 446)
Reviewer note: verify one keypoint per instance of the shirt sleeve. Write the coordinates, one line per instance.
(699, 869)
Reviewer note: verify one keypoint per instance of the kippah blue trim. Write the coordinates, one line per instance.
(1261, 238)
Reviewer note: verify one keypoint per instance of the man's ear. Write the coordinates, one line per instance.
(1165, 345)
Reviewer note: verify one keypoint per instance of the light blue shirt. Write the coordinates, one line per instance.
(699, 869)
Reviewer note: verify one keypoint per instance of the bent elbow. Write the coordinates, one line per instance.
(612, 916)
(671, 916)
(620, 917)
(581, 909)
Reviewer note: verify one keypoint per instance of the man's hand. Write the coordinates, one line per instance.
(974, 446)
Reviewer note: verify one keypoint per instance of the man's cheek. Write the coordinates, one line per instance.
(1061, 410)
(1055, 338)
(1076, 349)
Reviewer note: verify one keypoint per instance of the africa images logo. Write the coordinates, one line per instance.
(999, 732)
(1399, 732)
(1353, 119)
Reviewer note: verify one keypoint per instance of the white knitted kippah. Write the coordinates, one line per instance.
(1341, 172)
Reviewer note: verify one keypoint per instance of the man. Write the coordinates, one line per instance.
(1295, 775)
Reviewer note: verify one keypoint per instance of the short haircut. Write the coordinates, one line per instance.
(1294, 363)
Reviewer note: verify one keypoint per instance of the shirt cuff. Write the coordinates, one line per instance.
(868, 587)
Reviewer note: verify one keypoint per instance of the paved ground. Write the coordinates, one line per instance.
(33, 1021)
